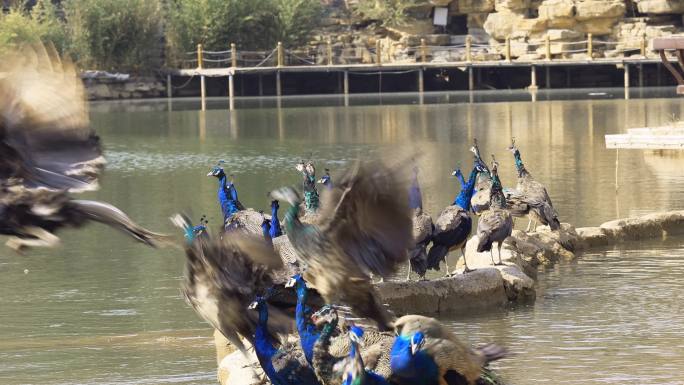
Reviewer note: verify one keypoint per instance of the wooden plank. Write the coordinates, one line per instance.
(668, 43)
(652, 142)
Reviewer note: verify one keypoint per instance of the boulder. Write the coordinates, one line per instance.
(599, 9)
(597, 27)
(658, 225)
(563, 34)
(238, 369)
(660, 6)
(500, 25)
(471, 6)
(531, 25)
(554, 9)
(440, 3)
(562, 22)
(594, 236)
(511, 5)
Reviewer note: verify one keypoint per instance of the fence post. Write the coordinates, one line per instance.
(199, 56)
(280, 54)
(423, 51)
(330, 52)
(590, 46)
(548, 47)
(468, 47)
(233, 55)
(643, 45)
(378, 52)
(508, 48)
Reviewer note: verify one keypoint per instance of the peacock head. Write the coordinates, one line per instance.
(275, 204)
(297, 281)
(417, 342)
(301, 166)
(325, 316)
(512, 148)
(193, 232)
(217, 172)
(325, 179)
(457, 172)
(356, 335)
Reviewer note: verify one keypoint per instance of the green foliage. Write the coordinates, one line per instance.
(20, 27)
(251, 25)
(121, 35)
(387, 12)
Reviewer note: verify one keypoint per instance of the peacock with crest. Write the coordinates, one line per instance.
(227, 193)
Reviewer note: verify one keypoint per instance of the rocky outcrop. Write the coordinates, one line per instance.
(109, 88)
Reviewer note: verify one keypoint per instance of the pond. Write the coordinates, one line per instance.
(102, 310)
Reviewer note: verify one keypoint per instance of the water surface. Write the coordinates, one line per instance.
(101, 310)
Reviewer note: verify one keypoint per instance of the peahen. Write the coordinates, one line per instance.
(224, 274)
(364, 227)
(534, 194)
(49, 150)
(355, 372)
(453, 226)
(326, 180)
(422, 230)
(329, 352)
(227, 193)
(427, 353)
(284, 364)
(311, 197)
(479, 202)
(496, 223)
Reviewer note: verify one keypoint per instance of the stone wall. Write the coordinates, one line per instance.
(618, 28)
(130, 88)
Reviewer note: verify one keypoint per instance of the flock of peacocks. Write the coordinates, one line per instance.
(366, 222)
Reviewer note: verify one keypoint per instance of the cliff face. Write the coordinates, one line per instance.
(618, 28)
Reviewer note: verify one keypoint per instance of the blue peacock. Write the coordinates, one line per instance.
(326, 180)
(427, 353)
(227, 193)
(453, 226)
(308, 333)
(355, 372)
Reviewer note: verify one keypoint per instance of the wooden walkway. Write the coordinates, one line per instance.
(656, 138)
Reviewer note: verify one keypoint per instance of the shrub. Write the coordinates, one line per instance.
(122, 35)
(294, 20)
(387, 12)
(20, 26)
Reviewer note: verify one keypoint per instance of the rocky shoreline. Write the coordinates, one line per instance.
(488, 286)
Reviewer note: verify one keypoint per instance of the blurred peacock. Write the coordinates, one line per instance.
(49, 150)
(364, 228)
(422, 230)
(495, 223)
(326, 180)
(354, 369)
(534, 194)
(427, 353)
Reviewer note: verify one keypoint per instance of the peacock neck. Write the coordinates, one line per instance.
(307, 330)
(467, 190)
(275, 223)
(497, 198)
(323, 361)
(522, 171)
(263, 346)
(418, 369)
(415, 196)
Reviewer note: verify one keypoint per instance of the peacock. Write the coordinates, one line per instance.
(224, 274)
(534, 195)
(427, 353)
(311, 197)
(479, 202)
(329, 352)
(496, 223)
(422, 230)
(266, 228)
(284, 364)
(364, 228)
(326, 180)
(453, 226)
(227, 193)
(48, 151)
(355, 372)
(308, 333)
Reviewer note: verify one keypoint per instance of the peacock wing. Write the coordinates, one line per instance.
(491, 221)
(367, 215)
(422, 227)
(45, 134)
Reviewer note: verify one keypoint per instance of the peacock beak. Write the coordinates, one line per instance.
(454, 173)
(253, 305)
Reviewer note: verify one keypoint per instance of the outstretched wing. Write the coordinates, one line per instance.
(45, 134)
(367, 215)
(224, 275)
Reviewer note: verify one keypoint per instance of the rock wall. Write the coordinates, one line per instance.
(130, 88)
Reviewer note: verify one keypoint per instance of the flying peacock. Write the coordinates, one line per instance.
(534, 194)
(48, 150)
(364, 228)
(427, 353)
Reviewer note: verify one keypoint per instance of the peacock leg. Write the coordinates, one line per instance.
(408, 276)
(500, 261)
(491, 254)
(529, 226)
(465, 263)
(446, 264)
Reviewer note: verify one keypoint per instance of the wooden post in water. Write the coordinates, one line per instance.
(168, 86)
(641, 75)
(548, 77)
(346, 88)
(547, 43)
(471, 79)
(468, 48)
(423, 51)
(330, 52)
(421, 84)
(203, 86)
(533, 79)
(231, 92)
(279, 89)
(626, 71)
(590, 46)
(279, 49)
(508, 48)
(233, 55)
(378, 52)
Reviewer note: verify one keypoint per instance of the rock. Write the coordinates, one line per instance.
(236, 369)
(563, 34)
(554, 9)
(479, 289)
(471, 6)
(531, 25)
(440, 3)
(598, 27)
(660, 6)
(98, 92)
(599, 9)
(511, 5)
(657, 225)
(441, 39)
(562, 23)
(594, 236)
